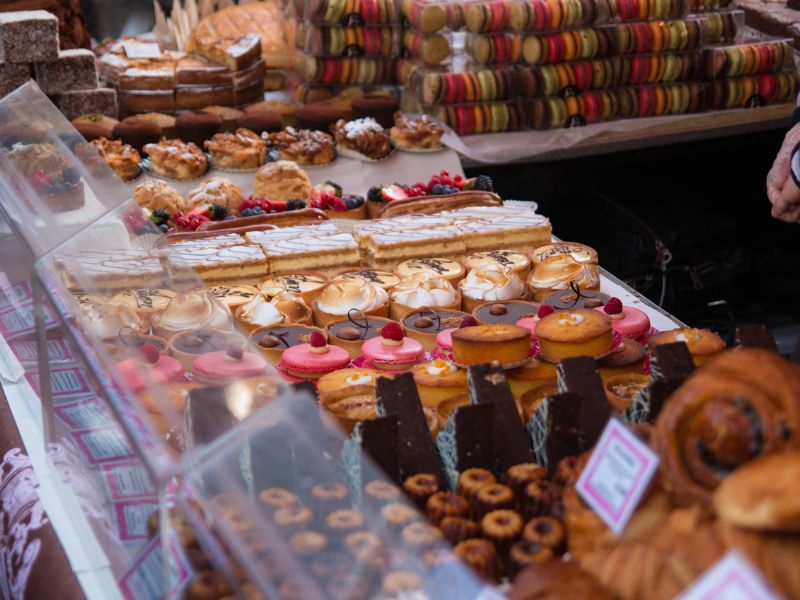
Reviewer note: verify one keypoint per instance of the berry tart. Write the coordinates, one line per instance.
(351, 332)
(59, 186)
(313, 359)
(508, 344)
(392, 351)
(241, 150)
(123, 159)
(578, 332)
(361, 139)
(272, 340)
(627, 321)
(424, 325)
(422, 134)
(305, 147)
(176, 159)
(329, 198)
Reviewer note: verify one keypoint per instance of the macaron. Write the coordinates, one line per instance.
(392, 350)
(313, 359)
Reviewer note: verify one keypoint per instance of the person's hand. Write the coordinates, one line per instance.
(782, 192)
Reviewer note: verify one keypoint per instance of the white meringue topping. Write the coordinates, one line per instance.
(342, 296)
(260, 312)
(422, 290)
(192, 311)
(492, 282)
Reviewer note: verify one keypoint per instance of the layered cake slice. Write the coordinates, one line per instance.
(387, 249)
(402, 223)
(267, 237)
(523, 232)
(213, 241)
(104, 274)
(328, 253)
(223, 263)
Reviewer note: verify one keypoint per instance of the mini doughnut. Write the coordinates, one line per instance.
(343, 522)
(481, 556)
(419, 536)
(381, 492)
(502, 528)
(398, 515)
(471, 480)
(519, 476)
(329, 496)
(525, 553)
(547, 532)
(457, 529)
(445, 504)
(291, 519)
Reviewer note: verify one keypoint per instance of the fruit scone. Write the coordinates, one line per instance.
(221, 263)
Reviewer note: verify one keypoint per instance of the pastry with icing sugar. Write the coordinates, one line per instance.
(281, 181)
(361, 138)
(123, 159)
(303, 146)
(703, 344)
(176, 159)
(240, 150)
(216, 190)
(578, 332)
(262, 311)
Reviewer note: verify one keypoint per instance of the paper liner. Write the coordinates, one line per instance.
(348, 153)
(616, 340)
(145, 164)
(645, 337)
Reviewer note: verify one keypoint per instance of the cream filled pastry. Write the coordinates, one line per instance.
(341, 297)
(490, 282)
(192, 310)
(262, 311)
(561, 272)
(422, 290)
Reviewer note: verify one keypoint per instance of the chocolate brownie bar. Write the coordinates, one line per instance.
(72, 70)
(83, 102)
(13, 75)
(28, 36)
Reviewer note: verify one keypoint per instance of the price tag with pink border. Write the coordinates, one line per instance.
(732, 578)
(617, 475)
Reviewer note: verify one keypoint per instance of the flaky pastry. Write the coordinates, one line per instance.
(241, 150)
(176, 159)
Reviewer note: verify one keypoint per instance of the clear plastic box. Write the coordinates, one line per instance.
(344, 71)
(404, 69)
(554, 112)
(350, 12)
(480, 84)
(659, 100)
(429, 49)
(335, 40)
(645, 37)
(723, 27)
(549, 80)
(748, 58)
(640, 69)
(577, 44)
(644, 10)
(753, 91)
(432, 16)
(493, 48)
(487, 117)
(486, 16)
(704, 6)
(529, 16)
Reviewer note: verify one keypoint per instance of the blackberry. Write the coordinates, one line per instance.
(484, 183)
(217, 212)
(159, 216)
(295, 204)
(375, 194)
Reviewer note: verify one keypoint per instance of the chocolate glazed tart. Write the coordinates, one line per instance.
(508, 312)
(186, 346)
(423, 325)
(353, 330)
(272, 340)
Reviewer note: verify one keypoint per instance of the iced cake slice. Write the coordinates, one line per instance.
(401, 223)
(225, 263)
(385, 250)
(523, 232)
(328, 253)
(102, 274)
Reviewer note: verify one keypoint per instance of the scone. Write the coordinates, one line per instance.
(241, 150)
(703, 344)
(155, 194)
(579, 332)
(176, 159)
(282, 181)
(508, 344)
(303, 146)
(123, 159)
(216, 190)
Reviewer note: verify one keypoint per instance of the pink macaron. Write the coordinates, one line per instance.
(392, 351)
(151, 368)
(314, 359)
(627, 321)
(222, 367)
(530, 322)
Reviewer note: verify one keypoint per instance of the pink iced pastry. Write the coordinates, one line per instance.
(530, 322)
(150, 369)
(392, 351)
(314, 359)
(230, 365)
(626, 320)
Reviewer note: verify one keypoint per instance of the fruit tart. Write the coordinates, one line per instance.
(329, 198)
(123, 159)
(176, 159)
(241, 150)
(59, 186)
(362, 138)
(303, 146)
(416, 135)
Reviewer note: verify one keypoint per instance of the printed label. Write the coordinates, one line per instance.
(13, 294)
(141, 50)
(64, 383)
(132, 519)
(732, 578)
(145, 579)
(617, 475)
(103, 445)
(127, 480)
(18, 321)
(88, 413)
(27, 353)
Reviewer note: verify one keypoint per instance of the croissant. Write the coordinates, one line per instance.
(743, 404)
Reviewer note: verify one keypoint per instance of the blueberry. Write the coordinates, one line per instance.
(163, 228)
(247, 212)
(230, 217)
(437, 189)
(257, 210)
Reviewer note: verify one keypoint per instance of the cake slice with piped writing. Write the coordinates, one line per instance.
(223, 263)
(327, 254)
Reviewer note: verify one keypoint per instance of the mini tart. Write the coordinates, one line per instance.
(580, 253)
(125, 346)
(450, 269)
(323, 319)
(438, 381)
(293, 311)
(241, 150)
(630, 323)
(351, 334)
(345, 383)
(303, 362)
(622, 390)
(529, 376)
(306, 284)
(123, 159)
(272, 340)
(508, 344)
(383, 279)
(176, 159)
(233, 295)
(628, 357)
(567, 299)
(188, 345)
(145, 302)
(508, 312)
(508, 259)
(399, 311)
(703, 344)
(219, 368)
(532, 399)
(579, 332)
(390, 357)
(560, 273)
(424, 325)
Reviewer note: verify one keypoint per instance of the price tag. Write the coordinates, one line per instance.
(141, 50)
(732, 578)
(617, 475)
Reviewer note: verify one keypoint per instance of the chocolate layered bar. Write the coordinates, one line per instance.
(216, 263)
(28, 36)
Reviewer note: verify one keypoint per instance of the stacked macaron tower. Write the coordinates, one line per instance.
(345, 43)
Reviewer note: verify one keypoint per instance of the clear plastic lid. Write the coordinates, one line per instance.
(337, 40)
(482, 117)
(333, 71)
(428, 16)
(541, 16)
(768, 56)
(364, 12)
(704, 6)
(723, 27)
(493, 48)
(429, 49)
(289, 506)
(677, 35)
(753, 91)
(659, 100)
(644, 10)
(487, 16)
(575, 110)
(478, 84)
(577, 44)
(549, 80)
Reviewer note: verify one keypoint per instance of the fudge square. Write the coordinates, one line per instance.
(83, 102)
(28, 36)
(13, 75)
(72, 70)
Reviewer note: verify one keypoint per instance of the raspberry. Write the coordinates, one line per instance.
(613, 307)
(544, 310)
(317, 339)
(468, 321)
(149, 354)
(392, 331)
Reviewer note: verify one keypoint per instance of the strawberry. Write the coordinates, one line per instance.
(544, 310)
(613, 307)
(317, 339)
(278, 205)
(149, 354)
(339, 204)
(393, 192)
(468, 321)
(392, 331)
